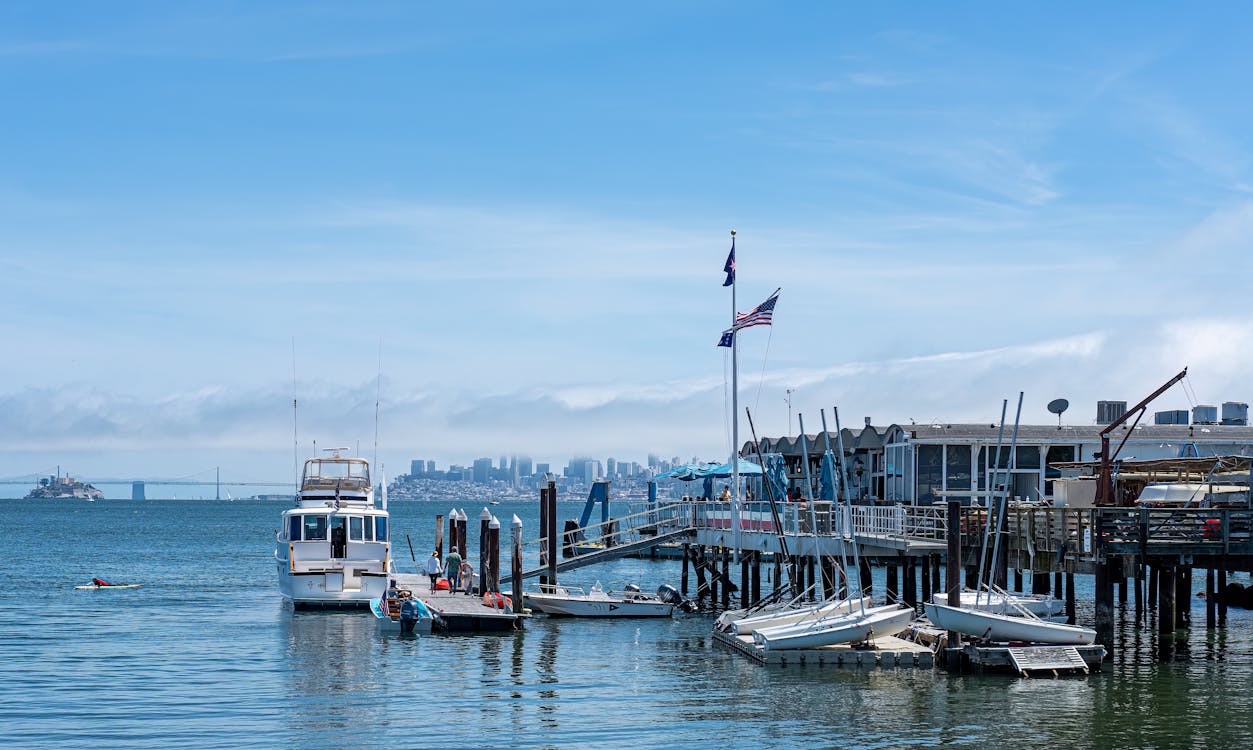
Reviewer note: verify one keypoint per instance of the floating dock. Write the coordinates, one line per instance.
(1029, 661)
(460, 612)
(888, 652)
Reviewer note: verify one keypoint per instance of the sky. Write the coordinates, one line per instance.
(506, 223)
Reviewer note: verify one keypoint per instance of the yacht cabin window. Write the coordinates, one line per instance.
(315, 528)
(380, 529)
(354, 529)
(369, 529)
(293, 528)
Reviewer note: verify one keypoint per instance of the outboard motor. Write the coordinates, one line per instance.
(671, 595)
(408, 616)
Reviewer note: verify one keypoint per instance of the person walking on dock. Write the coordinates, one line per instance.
(452, 568)
(433, 569)
(466, 575)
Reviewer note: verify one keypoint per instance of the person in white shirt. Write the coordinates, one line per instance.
(434, 568)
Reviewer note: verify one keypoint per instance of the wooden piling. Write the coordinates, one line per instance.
(1040, 582)
(867, 577)
(954, 563)
(726, 578)
(893, 590)
(810, 577)
(1058, 586)
(687, 553)
(1154, 572)
(1121, 577)
(926, 578)
(553, 540)
(515, 563)
(972, 577)
(936, 585)
(1211, 606)
(1222, 603)
(746, 586)
(756, 590)
(1183, 596)
(463, 535)
(485, 518)
(1070, 598)
(1017, 581)
(1104, 595)
(1166, 600)
(698, 563)
(493, 556)
(1138, 590)
(911, 582)
(439, 535)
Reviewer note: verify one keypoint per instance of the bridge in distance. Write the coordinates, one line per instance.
(138, 486)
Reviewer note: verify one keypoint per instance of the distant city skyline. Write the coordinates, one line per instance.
(504, 228)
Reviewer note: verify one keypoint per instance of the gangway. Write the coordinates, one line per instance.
(607, 554)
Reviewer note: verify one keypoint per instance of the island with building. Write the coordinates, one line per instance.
(59, 487)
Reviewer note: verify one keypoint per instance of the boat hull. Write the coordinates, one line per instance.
(597, 606)
(830, 631)
(327, 589)
(749, 625)
(1040, 606)
(999, 627)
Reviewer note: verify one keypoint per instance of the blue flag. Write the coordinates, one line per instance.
(729, 268)
(728, 337)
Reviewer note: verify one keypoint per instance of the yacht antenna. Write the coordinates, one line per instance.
(378, 394)
(295, 448)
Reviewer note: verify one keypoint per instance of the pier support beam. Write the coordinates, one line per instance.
(1138, 583)
(1166, 601)
(1154, 573)
(867, 577)
(1039, 583)
(911, 582)
(1120, 575)
(1070, 598)
(926, 578)
(1104, 606)
(726, 578)
(954, 533)
(746, 585)
(698, 562)
(1183, 596)
(893, 588)
(972, 577)
(1211, 608)
(1017, 581)
(936, 585)
(687, 553)
(756, 590)
(1222, 603)
(1057, 584)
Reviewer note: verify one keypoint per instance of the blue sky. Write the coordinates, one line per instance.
(529, 206)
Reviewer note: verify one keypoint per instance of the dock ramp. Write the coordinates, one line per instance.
(1053, 660)
(606, 554)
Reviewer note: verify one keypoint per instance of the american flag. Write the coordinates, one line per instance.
(759, 315)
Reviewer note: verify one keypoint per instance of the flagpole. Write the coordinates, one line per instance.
(735, 416)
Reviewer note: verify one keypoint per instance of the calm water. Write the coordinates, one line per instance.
(207, 655)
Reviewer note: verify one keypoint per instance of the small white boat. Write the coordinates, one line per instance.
(1000, 627)
(574, 602)
(794, 615)
(844, 628)
(1007, 604)
(402, 615)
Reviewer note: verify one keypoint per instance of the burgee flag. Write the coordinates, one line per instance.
(729, 268)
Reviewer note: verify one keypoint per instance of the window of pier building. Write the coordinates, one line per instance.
(929, 484)
(315, 528)
(1056, 454)
(957, 472)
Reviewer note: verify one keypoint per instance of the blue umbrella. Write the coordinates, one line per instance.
(826, 477)
(776, 475)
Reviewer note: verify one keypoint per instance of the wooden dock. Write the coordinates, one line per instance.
(889, 652)
(460, 612)
(1033, 660)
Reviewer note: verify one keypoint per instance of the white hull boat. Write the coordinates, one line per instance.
(1007, 604)
(574, 602)
(829, 631)
(402, 616)
(1000, 627)
(332, 549)
(749, 625)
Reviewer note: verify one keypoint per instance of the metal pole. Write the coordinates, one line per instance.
(1002, 521)
(987, 514)
(735, 414)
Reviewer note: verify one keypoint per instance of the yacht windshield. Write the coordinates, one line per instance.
(342, 472)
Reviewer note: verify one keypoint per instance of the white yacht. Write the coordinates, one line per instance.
(333, 546)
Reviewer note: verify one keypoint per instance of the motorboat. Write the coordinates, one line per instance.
(777, 618)
(571, 601)
(401, 613)
(1007, 604)
(332, 549)
(853, 627)
(995, 626)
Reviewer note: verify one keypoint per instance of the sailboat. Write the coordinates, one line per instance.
(995, 614)
(849, 621)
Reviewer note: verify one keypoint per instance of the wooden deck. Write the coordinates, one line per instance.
(459, 613)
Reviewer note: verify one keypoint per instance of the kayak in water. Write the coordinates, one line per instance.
(99, 583)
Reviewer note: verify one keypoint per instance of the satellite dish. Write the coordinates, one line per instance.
(1057, 406)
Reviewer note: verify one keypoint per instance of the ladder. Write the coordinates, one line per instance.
(1054, 659)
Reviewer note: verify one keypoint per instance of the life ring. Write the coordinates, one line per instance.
(497, 601)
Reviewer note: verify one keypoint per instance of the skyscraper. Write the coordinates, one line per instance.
(482, 470)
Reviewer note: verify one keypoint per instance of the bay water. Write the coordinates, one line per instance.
(206, 654)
